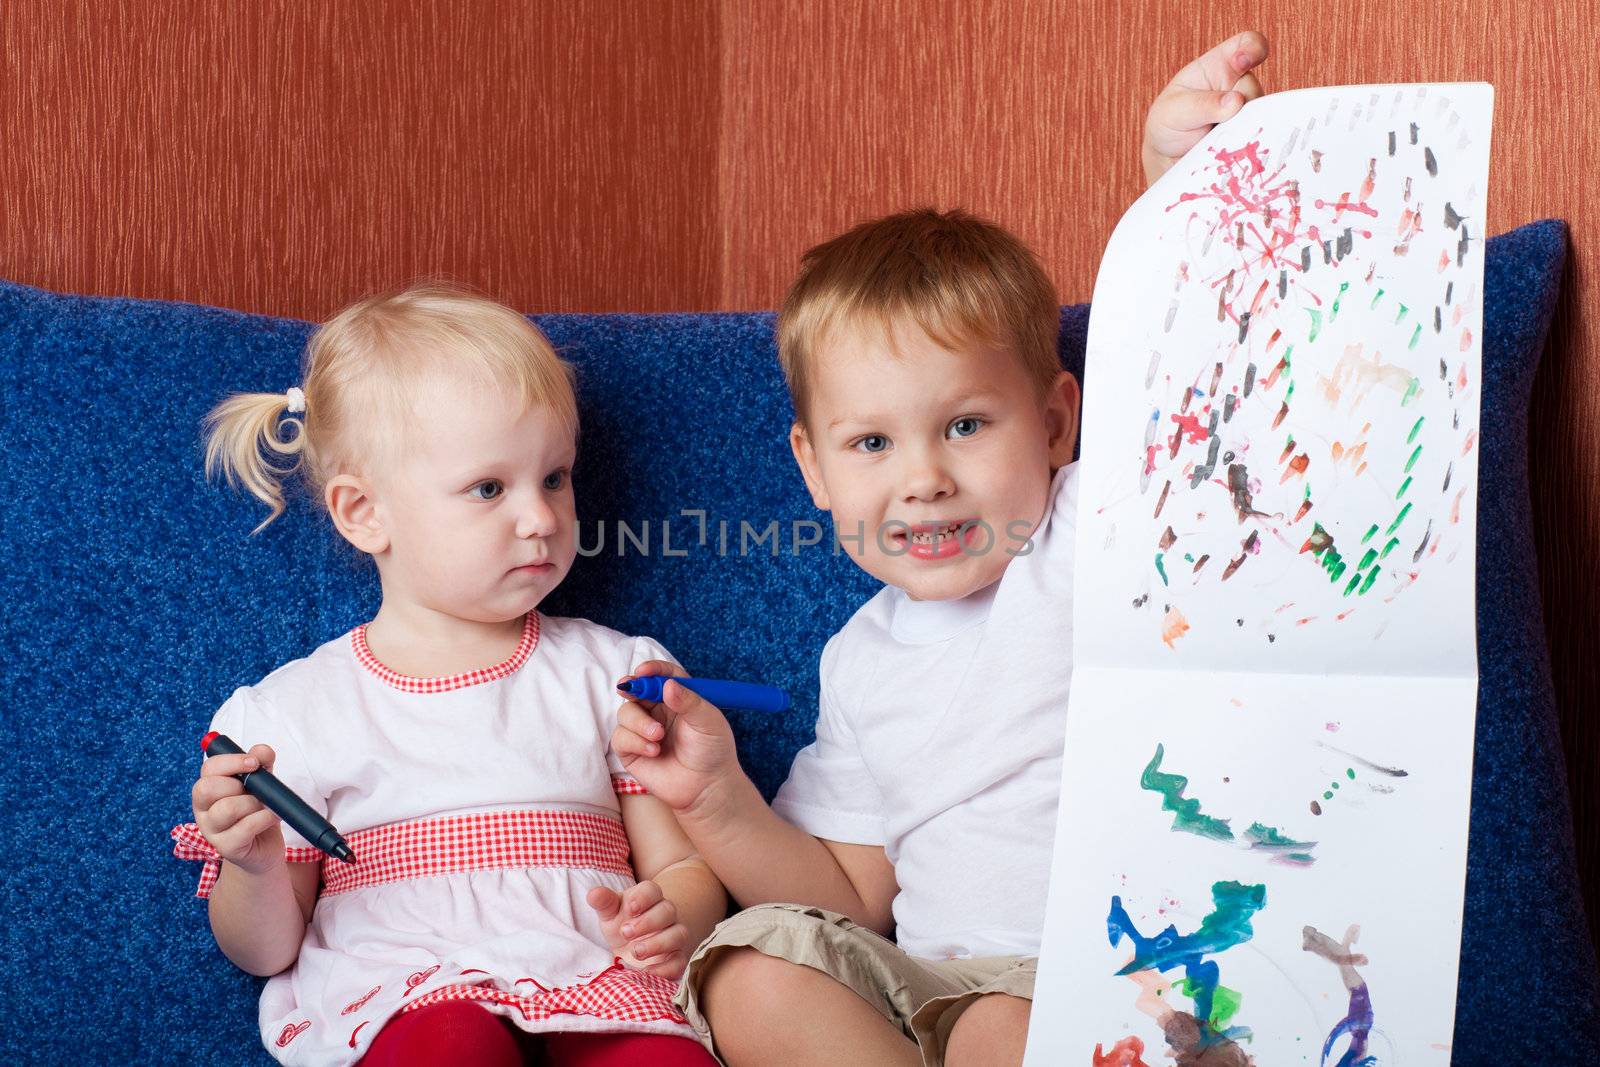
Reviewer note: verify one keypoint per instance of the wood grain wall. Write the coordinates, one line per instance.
(599, 155)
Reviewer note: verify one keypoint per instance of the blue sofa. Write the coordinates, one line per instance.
(141, 601)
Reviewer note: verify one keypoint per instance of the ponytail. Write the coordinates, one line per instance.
(242, 430)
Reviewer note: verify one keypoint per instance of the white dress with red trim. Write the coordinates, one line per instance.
(482, 808)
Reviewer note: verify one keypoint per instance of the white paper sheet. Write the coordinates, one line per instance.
(1269, 745)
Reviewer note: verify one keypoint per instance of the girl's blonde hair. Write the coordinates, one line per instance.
(365, 371)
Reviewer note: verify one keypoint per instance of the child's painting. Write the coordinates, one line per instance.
(1261, 850)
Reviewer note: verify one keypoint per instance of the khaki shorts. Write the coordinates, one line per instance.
(921, 997)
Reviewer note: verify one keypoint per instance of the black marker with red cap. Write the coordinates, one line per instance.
(282, 801)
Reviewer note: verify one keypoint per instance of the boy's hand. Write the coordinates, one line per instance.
(1210, 89)
(678, 748)
(641, 925)
(238, 825)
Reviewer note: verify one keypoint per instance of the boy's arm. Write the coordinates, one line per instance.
(694, 769)
(1210, 89)
(763, 859)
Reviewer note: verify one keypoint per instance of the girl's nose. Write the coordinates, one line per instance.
(536, 518)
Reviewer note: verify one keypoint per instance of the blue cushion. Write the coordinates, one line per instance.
(140, 602)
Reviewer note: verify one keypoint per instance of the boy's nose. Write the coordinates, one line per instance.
(927, 479)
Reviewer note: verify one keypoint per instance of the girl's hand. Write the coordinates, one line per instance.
(641, 925)
(1210, 89)
(238, 826)
(677, 749)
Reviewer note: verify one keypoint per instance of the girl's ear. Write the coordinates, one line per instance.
(355, 513)
(805, 454)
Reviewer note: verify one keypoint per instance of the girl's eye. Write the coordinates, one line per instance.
(486, 490)
(873, 442)
(965, 427)
(555, 480)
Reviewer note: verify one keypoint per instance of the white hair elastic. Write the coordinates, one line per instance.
(297, 399)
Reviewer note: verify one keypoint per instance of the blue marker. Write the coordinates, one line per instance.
(746, 696)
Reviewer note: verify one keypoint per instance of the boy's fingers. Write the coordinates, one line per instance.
(639, 721)
(1200, 110)
(688, 705)
(625, 742)
(604, 901)
(1221, 67)
(1248, 87)
(657, 666)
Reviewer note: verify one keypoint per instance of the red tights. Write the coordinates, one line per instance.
(459, 1031)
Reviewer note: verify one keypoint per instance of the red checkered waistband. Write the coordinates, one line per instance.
(490, 840)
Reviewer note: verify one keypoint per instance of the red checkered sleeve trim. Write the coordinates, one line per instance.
(188, 843)
(618, 992)
(627, 783)
(410, 684)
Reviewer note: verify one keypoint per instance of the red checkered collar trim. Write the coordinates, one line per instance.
(411, 684)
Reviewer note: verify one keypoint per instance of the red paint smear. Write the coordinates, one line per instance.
(1305, 507)
(1466, 340)
(1124, 1053)
(1455, 515)
(1461, 378)
(1444, 261)
(1190, 426)
(1270, 379)
(1150, 460)
(1344, 205)
(1297, 466)
(1472, 439)
(1273, 339)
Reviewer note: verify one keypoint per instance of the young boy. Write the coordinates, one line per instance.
(934, 422)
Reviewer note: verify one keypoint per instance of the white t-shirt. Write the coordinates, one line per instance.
(939, 737)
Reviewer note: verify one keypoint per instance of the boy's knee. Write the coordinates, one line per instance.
(746, 983)
(992, 1030)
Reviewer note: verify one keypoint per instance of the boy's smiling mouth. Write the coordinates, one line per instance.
(934, 540)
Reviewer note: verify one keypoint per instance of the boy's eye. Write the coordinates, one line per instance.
(965, 427)
(873, 442)
(555, 479)
(486, 490)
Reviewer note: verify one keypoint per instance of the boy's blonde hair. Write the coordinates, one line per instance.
(365, 372)
(959, 278)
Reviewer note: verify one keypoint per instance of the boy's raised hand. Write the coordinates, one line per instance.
(677, 748)
(242, 830)
(1210, 89)
(641, 925)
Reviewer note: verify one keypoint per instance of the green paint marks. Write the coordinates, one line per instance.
(1350, 773)
(1372, 576)
(1264, 836)
(1416, 335)
(1188, 817)
(1367, 560)
(1412, 462)
(1160, 569)
(1370, 532)
(1327, 794)
(1398, 519)
(1355, 580)
(1403, 487)
(1413, 387)
(1388, 548)
(1375, 299)
(1412, 436)
(1316, 323)
(1335, 312)
(1403, 310)
(1224, 1001)
(1189, 556)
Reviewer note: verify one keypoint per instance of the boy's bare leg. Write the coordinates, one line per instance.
(766, 1011)
(991, 1033)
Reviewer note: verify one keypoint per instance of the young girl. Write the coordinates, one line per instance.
(458, 740)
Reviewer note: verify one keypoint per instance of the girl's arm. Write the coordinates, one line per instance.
(656, 923)
(259, 920)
